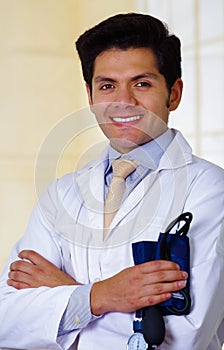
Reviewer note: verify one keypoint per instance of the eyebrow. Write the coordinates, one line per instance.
(100, 78)
(145, 75)
(152, 76)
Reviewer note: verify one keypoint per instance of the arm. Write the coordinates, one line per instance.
(25, 311)
(129, 290)
(36, 272)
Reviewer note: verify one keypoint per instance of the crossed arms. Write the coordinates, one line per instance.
(130, 289)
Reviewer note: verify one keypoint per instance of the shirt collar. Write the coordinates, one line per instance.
(148, 155)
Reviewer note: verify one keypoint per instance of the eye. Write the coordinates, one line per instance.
(143, 84)
(107, 86)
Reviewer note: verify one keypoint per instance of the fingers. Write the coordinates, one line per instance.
(137, 287)
(159, 293)
(21, 265)
(21, 274)
(24, 274)
(162, 271)
(158, 265)
(18, 282)
(167, 276)
(36, 271)
(33, 257)
(155, 288)
(17, 285)
(151, 300)
(29, 273)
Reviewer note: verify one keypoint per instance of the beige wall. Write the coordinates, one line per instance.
(40, 84)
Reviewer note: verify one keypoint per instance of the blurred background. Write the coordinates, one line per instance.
(41, 83)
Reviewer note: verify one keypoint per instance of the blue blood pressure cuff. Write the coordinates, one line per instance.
(174, 247)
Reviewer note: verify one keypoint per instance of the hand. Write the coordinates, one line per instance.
(36, 272)
(136, 287)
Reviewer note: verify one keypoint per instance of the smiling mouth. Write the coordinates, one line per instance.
(126, 119)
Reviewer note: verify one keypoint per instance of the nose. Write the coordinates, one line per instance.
(125, 95)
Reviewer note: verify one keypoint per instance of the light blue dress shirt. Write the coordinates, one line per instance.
(78, 312)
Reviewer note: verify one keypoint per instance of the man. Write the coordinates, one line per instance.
(75, 284)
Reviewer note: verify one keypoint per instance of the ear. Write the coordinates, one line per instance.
(175, 95)
(89, 95)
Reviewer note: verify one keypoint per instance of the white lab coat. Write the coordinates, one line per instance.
(66, 228)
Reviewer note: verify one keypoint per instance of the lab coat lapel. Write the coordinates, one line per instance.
(91, 186)
(135, 197)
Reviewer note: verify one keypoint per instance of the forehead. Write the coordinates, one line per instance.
(115, 60)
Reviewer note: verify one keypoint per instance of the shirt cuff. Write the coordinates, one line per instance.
(78, 312)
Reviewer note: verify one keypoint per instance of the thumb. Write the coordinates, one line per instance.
(33, 257)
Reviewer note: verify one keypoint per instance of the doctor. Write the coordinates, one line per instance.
(67, 283)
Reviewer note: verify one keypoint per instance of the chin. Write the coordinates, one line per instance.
(124, 145)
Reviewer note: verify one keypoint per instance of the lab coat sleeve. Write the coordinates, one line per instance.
(199, 329)
(30, 318)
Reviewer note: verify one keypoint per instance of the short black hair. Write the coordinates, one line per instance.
(131, 30)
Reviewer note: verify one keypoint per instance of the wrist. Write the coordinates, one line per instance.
(97, 299)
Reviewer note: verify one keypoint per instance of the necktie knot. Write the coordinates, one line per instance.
(123, 167)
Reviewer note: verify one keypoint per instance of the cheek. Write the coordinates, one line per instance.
(150, 101)
(99, 96)
(159, 105)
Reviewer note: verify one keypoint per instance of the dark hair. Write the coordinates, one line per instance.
(131, 30)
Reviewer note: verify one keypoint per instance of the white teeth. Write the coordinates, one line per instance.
(126, 120)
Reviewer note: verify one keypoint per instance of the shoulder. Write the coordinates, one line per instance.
(68, 183)
(197, 166)
(206, 171)
(205, 194)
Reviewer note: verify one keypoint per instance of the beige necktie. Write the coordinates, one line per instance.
(121, 169)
